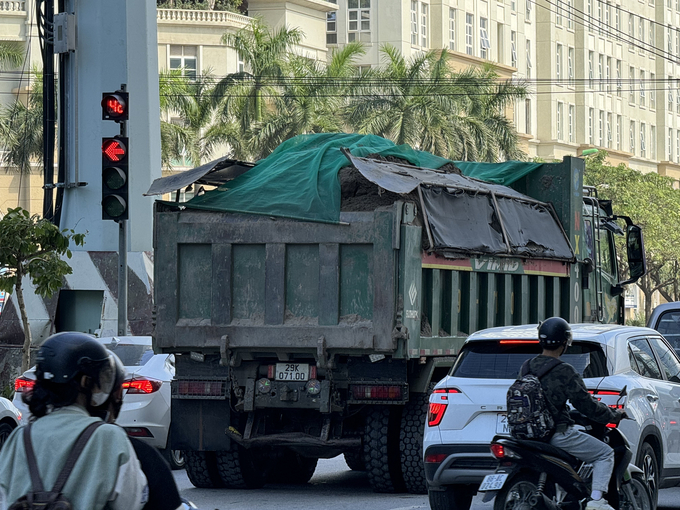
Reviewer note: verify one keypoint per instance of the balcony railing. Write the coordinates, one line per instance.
(13, 6)
(202, 17)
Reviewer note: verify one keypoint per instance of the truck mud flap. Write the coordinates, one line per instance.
(194, 423)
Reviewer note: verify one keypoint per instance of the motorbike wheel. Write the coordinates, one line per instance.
(517, 492)
(635, 495)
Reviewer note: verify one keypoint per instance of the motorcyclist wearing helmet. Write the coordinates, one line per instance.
(163, 492)
(75, 375)
(564, 383)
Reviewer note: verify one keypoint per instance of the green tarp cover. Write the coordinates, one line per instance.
(499, 173)
(300, 178)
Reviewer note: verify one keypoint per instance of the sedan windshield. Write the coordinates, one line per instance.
(494, 360)
(130, 354)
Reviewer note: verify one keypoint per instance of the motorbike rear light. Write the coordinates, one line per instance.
(200, 388)
(23, 384)
(612, 425)
(497, 450)
(376, 392)
(142, 385)
(435, 458)
(138, 432)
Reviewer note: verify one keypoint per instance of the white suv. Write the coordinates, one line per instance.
(467, 408)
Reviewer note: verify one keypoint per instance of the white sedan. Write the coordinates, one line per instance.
(145, 413)
(10, 418)
(467, 408)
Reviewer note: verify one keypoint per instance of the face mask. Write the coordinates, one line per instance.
(107, 377)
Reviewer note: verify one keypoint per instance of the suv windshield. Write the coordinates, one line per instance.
(493, 360)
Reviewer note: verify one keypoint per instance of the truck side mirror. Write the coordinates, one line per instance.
(637, 263)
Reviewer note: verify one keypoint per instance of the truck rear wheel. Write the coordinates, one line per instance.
(381, 449)
(355, 461)
(411, 441)
(241, 469)
(293, 468)
(202, 469)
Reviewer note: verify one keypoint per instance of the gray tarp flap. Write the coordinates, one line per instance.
(532, 230)
(463, 221)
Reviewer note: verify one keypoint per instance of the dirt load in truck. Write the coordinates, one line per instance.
(313, 299)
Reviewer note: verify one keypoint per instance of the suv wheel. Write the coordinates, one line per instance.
(454, 497)
(650, 466)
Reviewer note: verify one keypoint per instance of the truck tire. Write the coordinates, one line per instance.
(201, 469)
(292, 468)
(381, 449)
(241, 469)
(355, 461)
(411, 441)
(454, 497)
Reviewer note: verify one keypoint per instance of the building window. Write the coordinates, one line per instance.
(452, 29)
(184, 59)
(600, 72)
(589, 12)
(652, 140)
(570, 14)
(558, 63)
(677, 41)
(513, 48)
(484, 43)
(632, 137)
(359, 16)
(332, 27)
(619, 127)
(677, 96)
(529, 65)
(570, 66)
(469, 27)
(591, 135)
(643, 145)
(609, 130)
(652, 90)
(513, 5)
(571, 123)
(677, 146)
(424, 16)
(414, 22)
(641, 29)
(591, 56)
(527, 116)
(607, 16)
(558, 14)
(560, 114)
(528, 11)
(651, 37)
(617, 18)
(643, 96)
(618, 78)
(669, 38)
(631, 85)
(631, 30)
(600, 130)
(599, 16)
(670, 144)
(607, 74)
(670, 94)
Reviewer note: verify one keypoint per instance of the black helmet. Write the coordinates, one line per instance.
(65, 356)
(553, 333)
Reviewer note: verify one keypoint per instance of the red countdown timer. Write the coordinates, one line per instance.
(115, 106)
(114, 150)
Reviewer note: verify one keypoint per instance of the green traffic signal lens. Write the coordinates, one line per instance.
(114, 178)
(114, 206)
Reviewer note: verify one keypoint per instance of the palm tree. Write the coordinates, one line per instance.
(244, 95)
(311, 98)
(423, 103)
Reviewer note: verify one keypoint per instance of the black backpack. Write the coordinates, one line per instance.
(38, 498)
(530, 414)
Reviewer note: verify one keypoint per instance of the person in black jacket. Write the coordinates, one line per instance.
(564, 383)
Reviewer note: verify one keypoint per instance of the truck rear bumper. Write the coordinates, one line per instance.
(299, 442)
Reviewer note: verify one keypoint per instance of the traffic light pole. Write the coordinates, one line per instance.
(122, 259)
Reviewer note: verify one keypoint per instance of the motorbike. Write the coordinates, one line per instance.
(534, 474)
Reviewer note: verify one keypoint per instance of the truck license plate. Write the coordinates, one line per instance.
(292, 371)
(502, 424)
(493, 482)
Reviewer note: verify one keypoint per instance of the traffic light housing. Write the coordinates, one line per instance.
(115, 178)
(115, 106)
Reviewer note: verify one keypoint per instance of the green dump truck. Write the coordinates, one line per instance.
(312, 300)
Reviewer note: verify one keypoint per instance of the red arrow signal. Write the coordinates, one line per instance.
(114, 150)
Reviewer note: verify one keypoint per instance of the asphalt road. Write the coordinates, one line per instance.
(333, 487)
